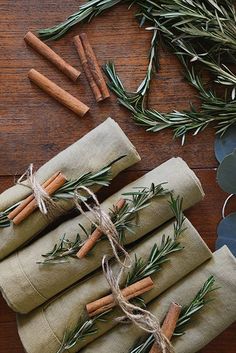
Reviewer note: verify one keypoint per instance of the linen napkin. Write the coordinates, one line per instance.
(92, 152)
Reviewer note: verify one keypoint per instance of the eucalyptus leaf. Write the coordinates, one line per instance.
(225, 144)
(226, 173)
(227, 233)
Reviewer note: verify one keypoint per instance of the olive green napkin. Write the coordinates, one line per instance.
(26, 284)
(92, 152)
(51, 320)
(208, 323)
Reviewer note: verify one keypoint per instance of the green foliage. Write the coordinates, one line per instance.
(159, 255)
(80, 332)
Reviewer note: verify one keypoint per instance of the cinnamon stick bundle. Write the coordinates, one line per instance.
(96, 235)
(103, 304)
(58, 93)
(91, 67)
(29, 205)
(169, 324)
(51, 56)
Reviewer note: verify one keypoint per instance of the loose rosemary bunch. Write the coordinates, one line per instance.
(123, 219)
(101, 177)
(186, 315)
(80, 332)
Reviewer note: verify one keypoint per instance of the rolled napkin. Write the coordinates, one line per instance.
(94, 151)
(209, 322)
(64, 312)
(26, 284)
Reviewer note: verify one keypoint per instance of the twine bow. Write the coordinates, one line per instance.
(43, 200)
(102, 221)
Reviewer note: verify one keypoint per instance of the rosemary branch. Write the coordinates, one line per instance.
(159, 255)
(63, 250)
(213, 109)
(187, 314)
(123, 219)
(101, 177)
(137, 200)
(86, 12)
(80, 332)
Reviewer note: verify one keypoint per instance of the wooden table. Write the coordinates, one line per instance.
(33, 127)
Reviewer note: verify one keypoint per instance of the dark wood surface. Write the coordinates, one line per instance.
(33, 127)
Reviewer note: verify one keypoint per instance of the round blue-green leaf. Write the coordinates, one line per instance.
(226, 173)
(225, 144)
(227, 233)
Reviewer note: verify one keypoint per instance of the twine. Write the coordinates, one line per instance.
(45, 203)
(142, 318)
(102, 221)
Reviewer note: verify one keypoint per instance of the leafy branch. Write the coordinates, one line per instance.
(80, 332)
(137, 200)
(187, 314)
(62, 251)
(159, 255)
(86, 12)
(213, 109)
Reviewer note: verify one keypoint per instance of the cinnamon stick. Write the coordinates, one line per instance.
(26, 201)
(95, 89)
(51, 56)
(58, 93)
(90, 63)
(101, 305)
(169, 324)
(58, 182)
(96, 235)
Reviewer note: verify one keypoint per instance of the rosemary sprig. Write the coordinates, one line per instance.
(187, 314)
(4, 220)
(86, 12)
(80, 332)
(123, 219)
(137, 200)
(65, 249)
(159, 255)
(101, 177)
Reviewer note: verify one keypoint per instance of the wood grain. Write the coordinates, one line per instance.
(34, 127)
